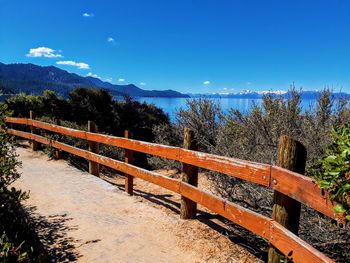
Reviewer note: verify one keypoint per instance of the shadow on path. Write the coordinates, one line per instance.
(53, 233)
(237, 234)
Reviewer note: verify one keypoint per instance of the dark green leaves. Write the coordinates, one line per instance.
(333, 174)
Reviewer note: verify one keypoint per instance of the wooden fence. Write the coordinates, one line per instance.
(291, 185)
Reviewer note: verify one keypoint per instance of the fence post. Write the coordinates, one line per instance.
(58, 153)
(129, 158)
(94, 168)
(286, 211)
(190, 175)
(33, 130)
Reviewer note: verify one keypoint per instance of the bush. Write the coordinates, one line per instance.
(83, 104)
(254, 136)
(333, 173)
(18, 240)
(92, 105)
(204, 117)
(166, 134)
(21, 104)
(139, 118)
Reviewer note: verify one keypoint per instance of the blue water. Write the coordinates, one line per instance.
(172, 105)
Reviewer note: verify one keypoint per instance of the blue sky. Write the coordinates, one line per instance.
(189, 46)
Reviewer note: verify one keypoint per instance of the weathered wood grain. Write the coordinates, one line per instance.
(292, 246)
(128, 158)
(33, 144)
(94, 168)
(286, 210)
(303, 189)
(188, 209)
(58, 153)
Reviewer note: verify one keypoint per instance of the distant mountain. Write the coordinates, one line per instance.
(34, 79)
(247, 94)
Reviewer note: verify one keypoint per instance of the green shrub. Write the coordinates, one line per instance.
(19, 241)
(11, 246)
(333, 173)
(84, 104)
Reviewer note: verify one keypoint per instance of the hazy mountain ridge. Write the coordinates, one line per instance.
(246, 94)
(34, 79)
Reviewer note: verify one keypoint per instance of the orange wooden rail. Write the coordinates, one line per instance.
(297, 186)
(292, 184)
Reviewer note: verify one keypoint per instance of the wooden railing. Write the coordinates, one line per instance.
(290, 184)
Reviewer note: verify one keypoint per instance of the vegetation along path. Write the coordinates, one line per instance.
(81, 217)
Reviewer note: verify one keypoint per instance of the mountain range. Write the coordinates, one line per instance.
(248, 94)
(34, 79)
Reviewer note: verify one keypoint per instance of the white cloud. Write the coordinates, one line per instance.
(79, 65)
(249, 83)
(207, 82)
(111, 40)
(43, 52)
(109, 79)
(88, 15)
(142, 83)
(224, 88)
(90, 74)
(121, 80)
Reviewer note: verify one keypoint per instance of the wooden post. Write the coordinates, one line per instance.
(94, 168)
(58, 153)
(286, 211)
(190, 176)
(33, 130)
(129, 158)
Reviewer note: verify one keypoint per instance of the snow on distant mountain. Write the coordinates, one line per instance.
(251, 94)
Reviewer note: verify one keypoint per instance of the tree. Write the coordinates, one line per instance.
(94, 105)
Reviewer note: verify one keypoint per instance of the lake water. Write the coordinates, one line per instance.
(172, 105)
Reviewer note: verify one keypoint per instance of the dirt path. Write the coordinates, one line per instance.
(84, 218)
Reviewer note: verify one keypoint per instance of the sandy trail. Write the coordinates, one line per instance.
(87, 219)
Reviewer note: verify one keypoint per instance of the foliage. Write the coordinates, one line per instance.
(84, 104)
(91, 104)
(251, 136)
(15, 234)
(22, 103)
(333, 173)
(166, 134)
(204, 117)
(96, 105)
(254, 136)
(139, 118)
